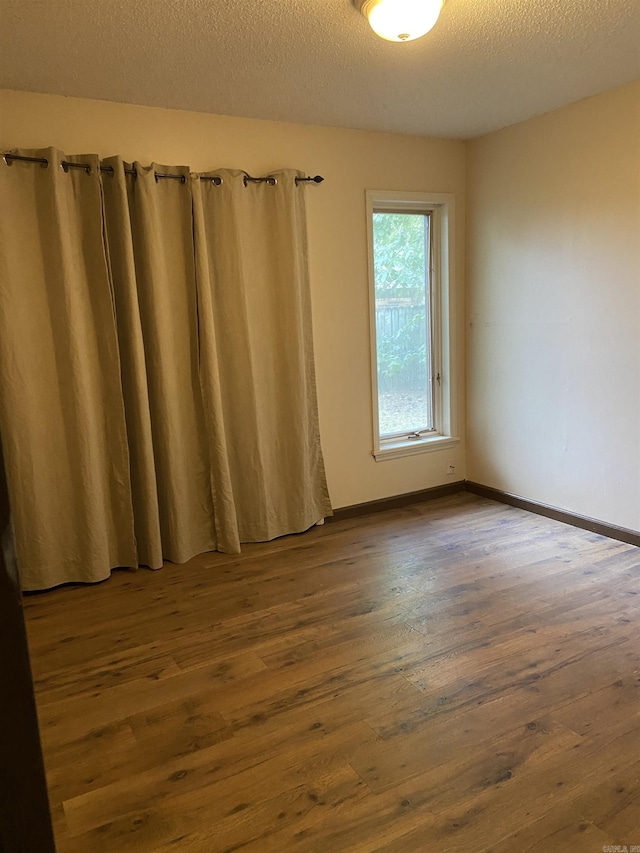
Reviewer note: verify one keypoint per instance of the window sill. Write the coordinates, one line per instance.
(411, 448)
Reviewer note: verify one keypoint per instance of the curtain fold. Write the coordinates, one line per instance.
(61, 407)
(156, 307)
(210, 329)
(255, 237)
(157, 387)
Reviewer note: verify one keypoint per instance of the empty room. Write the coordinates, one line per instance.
(320, 426)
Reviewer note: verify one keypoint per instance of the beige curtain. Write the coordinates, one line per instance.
(157, 393)
(251, 267)
(150, 247)
(61, 408)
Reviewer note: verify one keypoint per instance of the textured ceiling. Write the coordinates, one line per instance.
(487, 63)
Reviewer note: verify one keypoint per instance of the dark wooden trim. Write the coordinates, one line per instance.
(25, 820)
(623, 534)
(396, 502)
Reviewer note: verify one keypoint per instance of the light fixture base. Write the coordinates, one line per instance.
(400, 20)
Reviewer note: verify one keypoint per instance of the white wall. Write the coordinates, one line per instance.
(351, 162)
(553, 308)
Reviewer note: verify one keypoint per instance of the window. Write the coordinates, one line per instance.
(411, 263)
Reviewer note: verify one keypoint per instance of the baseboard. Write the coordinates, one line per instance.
(623, 534)
(396, 502)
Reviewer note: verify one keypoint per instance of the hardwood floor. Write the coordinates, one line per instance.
(454, 676)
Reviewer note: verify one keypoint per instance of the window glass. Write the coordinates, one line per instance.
(401, 254)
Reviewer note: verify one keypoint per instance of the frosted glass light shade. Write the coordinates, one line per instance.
(401, 20)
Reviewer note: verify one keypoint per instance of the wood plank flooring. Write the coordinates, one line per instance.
(453, 676)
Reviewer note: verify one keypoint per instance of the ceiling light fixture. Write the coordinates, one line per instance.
(400, 20)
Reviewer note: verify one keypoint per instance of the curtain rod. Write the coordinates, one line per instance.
(214, 179)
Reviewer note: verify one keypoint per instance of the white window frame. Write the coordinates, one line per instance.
(441, 207)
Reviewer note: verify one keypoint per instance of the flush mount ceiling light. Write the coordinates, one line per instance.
(400, 20)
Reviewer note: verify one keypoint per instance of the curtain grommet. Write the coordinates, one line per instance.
(66, 165)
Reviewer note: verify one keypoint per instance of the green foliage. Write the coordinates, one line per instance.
(402, 349)
(400, 241)
(399, 254)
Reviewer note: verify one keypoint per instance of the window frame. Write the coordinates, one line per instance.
(441, 209)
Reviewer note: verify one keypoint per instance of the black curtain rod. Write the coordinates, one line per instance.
(214, 179)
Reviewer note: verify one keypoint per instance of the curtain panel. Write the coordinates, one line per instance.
(157, 385)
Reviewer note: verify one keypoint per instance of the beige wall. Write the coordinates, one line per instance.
(351, 162)
(553, 308)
